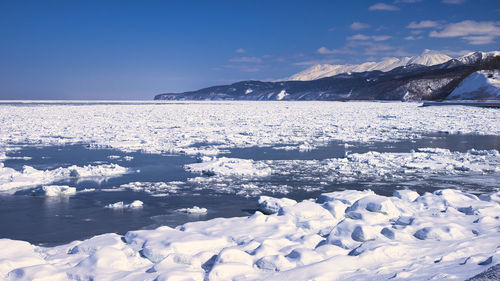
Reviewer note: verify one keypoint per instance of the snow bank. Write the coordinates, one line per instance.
(480, 85)
(211, 166)
(12, 180)
(193, 210)
(120, 205)
(348, 235)
(209, 127)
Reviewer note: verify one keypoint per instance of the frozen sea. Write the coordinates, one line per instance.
(70, 170)
(53, 220)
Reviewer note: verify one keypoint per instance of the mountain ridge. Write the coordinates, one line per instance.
(318, 71)
(408, 82)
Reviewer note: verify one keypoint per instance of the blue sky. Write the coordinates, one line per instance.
(71, 49)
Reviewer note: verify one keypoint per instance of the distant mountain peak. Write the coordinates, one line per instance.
(427, 58)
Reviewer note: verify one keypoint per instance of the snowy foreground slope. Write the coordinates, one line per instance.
(349, 235)
(480, 85)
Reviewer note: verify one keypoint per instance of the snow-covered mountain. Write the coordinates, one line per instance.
(483, 84)
(427, 58)
(410, 82)
(474, 57)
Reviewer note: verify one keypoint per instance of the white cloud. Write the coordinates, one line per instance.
(313, 62)
(326, 51)
(371, 47)
(476, 33)
(240, 51)
(246, 59)
(375, 49)
(480, 39)
(244, 68)
(407, 1)
(455, 53)
(359, 37)
(362, 37)
(381, 37)
(423, 24)
(455, 2)
(383, 7)
(359, 25)
(411, 37)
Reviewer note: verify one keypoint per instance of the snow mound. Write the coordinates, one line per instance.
(212, 166)
(55, 190)
(12, 180)
(193, 210)
(480, 85)
(136, 204)
(270, 205)
(384, 236)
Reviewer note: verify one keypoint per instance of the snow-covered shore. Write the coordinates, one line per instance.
(349, 235)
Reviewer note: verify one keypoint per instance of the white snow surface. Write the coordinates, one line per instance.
(348, 235)
(12, 180)
(281, 95)
(480, 85)
(428, 58)
(181, 127)
(229, 166)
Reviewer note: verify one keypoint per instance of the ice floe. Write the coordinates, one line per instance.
(136, 204)
(54, 190)
(241, 176)
(193, 210)
(211, 166)
(208, 127)
(154, 188)
(12, 180)
(347, 235)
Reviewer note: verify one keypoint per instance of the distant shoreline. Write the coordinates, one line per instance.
(489, 104)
